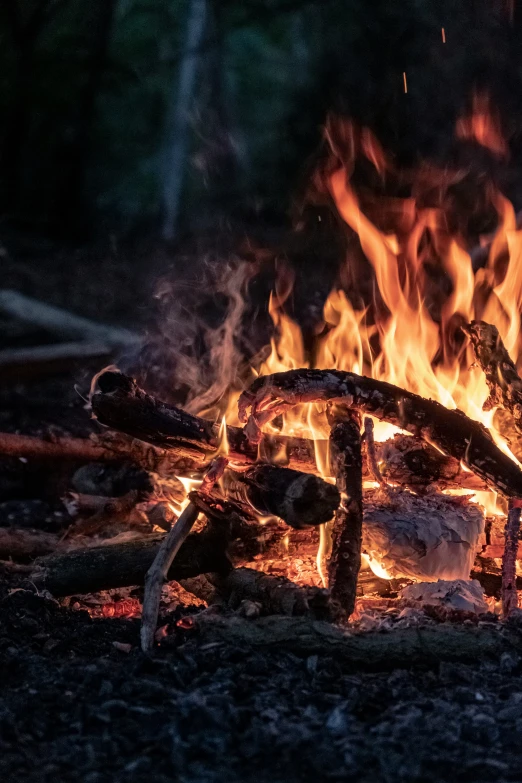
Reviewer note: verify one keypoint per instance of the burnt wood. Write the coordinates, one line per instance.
(449, 430)
(346, 466)
(121, 565)
(299, 499)
(504, 383)
(121, 404)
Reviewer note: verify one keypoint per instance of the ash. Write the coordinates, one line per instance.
(76, 706)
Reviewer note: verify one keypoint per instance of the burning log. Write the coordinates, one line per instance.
(509, 560)
(170, 546)
(277, 595)
(368, 651)
(299, 499)
(413, 463)
(122, 405)
(346, 461)
(449, 430)
(504, 383)
(127, 408)
(122, 565)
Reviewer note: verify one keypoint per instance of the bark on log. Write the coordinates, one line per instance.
(504, 383)
(277, 595)
(415, 464)
(122, 405)
(366, 651)
(123, 565)
(449, 430)
(126, 407)
(111, 447)
(509, 560)
(346, 464)
(299, 499)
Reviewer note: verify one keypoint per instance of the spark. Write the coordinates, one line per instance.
(443, 35)
(405, 81)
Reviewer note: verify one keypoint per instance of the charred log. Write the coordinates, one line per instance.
(346, 464)
(122, 405)
(122, 565)
(509, 560)
(368, 651)
(415, 464)
(299, 499)
(277, 595)
(449, 430)
(504, 383)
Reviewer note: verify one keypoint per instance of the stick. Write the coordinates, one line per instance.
(504, 383)
(509, 560)
(61, 322)
(449, 430)
(109, 448)
(158, 571)
(346, 463)
(371, 453)
(24, 363)
(168, 550)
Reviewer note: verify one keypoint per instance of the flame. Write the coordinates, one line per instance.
(420, 286)
(483, 126)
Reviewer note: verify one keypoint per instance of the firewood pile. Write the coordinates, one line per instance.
(245, 507)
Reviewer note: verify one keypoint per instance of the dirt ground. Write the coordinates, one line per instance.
(79, 702)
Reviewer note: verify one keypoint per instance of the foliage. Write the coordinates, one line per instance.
(269, 69)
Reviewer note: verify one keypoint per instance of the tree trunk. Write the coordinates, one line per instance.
(177, 126)
(70, 202)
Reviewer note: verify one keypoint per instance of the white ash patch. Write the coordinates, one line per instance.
(465, 595)
(421, 538)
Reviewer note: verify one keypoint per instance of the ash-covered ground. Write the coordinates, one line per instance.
(75, 706)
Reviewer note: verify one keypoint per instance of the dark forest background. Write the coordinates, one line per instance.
(161, 115)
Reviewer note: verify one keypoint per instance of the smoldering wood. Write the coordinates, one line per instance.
(415, 464)
(366, 651)
(121, 404)
(299, 499)
(179, 435)
(91, 569)
(62, 322)
(509, 560)
(22, 364)
(346, 466)
(449, 430)
(278, 595)
(504, 383)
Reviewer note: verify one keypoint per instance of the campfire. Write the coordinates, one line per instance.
(376, 455)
